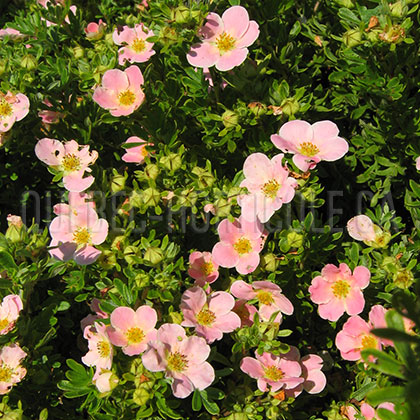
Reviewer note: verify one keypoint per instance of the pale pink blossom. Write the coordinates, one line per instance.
(70, 159)
(100, 352)
(47, 3)
(90, 319)
(136, 154)
(11, 33)
(361, 228)
(182, 358)
(10, 307)
(209, 208)
(245, 311)
(367, 411)
(13, 220)
(76, 200)
(273, 372)
(240, 245)
(132, 330)
(268, 184)
(224, 40)
(203, 268)
(47, 115)
(269, 296)
(95, 31)
(310, 143)
(12, 108)
(121, 91)
(210, 315)
(74, 235)
(105, 380)
(136, 48)
(418, 163)
(337, 290)
(11, 372)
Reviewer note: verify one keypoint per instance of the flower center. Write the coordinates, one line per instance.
(138, 45)
(135, 335)
(206, 317)
(127, 98)
(81, 236)
(5, 373)
(308, 149)
(270, 188)
(273, 373)
(70, 163)
(225, 42)
(369, 342)
(177, 362)
(207, 268)
(4, 324)
(242, 246)
(5, 108)
(266, 298)
(341, 288)
(104, 349)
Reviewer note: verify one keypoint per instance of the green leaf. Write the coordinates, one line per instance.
(393, 394)
(210, 406)
(7, 262)
(384, 363)
(196, 400)
(359, 394)
(165, 409)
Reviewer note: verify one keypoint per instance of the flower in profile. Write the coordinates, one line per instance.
(69, 159)
(367, 411)
(210, 315)
(136, 154)
(132, 330)
(95, 31)
(10, 307)
(203, 269)
(105, 380)
(11, 33)
(11, 372)
(363, 229)
(418, 163)
(240, 245)
(121, 91)
(269, 186)
(310, 143)
(73, 236)
(182, 358)
(337, 290)
(100, 352)
(224, 40)
(49, 116)
(12, 108)
(135, 48)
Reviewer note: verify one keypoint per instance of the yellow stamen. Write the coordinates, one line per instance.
(341, 288)
(5, 373)
(138, 45)
(207, 268)
(273, 373)
(369, 342)
(104, 348)
(127, 98)
(266, 298)
(225, 43)
(5, 108)
(206, 317)
(71, 163)
(4, 323)
(242, 246)
(270, 188)
(308, 149)
(177, 362)
(135, 335)
(82, 236)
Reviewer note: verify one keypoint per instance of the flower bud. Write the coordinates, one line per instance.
(398, 9)
(106, 381)
(78, 52)
(290, 106)
(205, 178)
(29, 62)
(107, 260)
(257, 108)
(141, 396)
(168, 36)
(154, 255)
(294, 239)
(150, 197)
(172, 162)
(151, 171)
(269, 262)
(345, 3)
(16, 229)
(4, 137)
(181, 14)
(404, 278)
(352, 38)
(95, 31)
(230, 119)
(118, 182)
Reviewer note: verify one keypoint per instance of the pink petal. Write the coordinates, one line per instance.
(211, 334)
(225, 255)
(64, 252)
(324, 130)
(250, 36)
(320, 290)
(333, 149)
(49, 151)
(228, 322)
(354, 302)
(86, 255)
(331, 310)
(292, 134)
(304, 163)
(290, 368)
(361, 276)
(105, 98)
(182, 387)
(242, 290)
(201, 375)
(100, 232)
(193, 299)
(203, 55)
(115, 80)
(283, 304)
(75, 183)
(252, 367)
(117, 337)
(377, 316)
(196, 349)
(153, 359)
(213, 27)
(21, 107)
(232, 59)
(248, 264)
(171, 334)
(123, 318)
(135, 76)
(236, 21)
(221, 303)
(145, 318)
(258, 168)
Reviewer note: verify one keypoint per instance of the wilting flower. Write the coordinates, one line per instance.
(100, 348)
(74, 235)
(121, 91)
(310, 143)
(182, 358)
(135, 47)
(138, 153)
(95, 31)
(363, 229)
(210, 315)
(11, 372)
(203, 268)
(367, 411)
(240, 245)
(132, 330)
(70, 159)
(12, 108)
(9, 312)
(337, 290)
(269, 186)
(224, 40)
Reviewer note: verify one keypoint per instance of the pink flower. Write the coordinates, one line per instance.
(418, 163)
(132, 330)
(182, 358)
(361, 228)
(337, 290)
(10, 307)
(202, 268)
(75, 234)
(245, 311)
(100, 348)
(76, 200)
(268, 294)
(274, 371)
(310, 143)
(11, 372)
(90, 319)
(224, 40)
(268, 184)
(48, 116)
(136, 154)
(105, 381)
(367, 411)
(356, 336)
(12, 108)
(240, 245)
(210, 315)
(95, 31)
(70, 159)
(121, 91)
(209, 208)
(12, 33)
(136, 49)
(13, 220)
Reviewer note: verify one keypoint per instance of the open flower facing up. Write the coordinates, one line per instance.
(10, 307)
(11, 372)
(268, 295)
(310, 143)
(74, 235)
(132, 330)
(269, 186)
(337, 290)
(203, 269)
(135, 47)
(367, 411)
(136, 154)
(70, 159)
(95, 31)
(224, 40)
(12, 108)
(182, 358)
(100, 348)
(210, 315)
(240, 245)
(121, 91)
